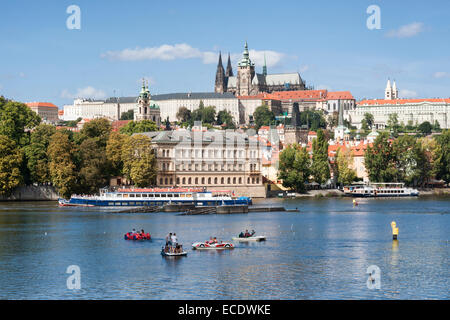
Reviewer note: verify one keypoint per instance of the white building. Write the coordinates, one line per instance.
(169, 104)
(407, 110)
(111, 108)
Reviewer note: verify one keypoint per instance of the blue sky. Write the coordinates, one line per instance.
(175, 44)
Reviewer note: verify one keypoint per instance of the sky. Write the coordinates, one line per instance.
(175, 46)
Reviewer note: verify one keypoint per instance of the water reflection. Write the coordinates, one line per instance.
(320, 253)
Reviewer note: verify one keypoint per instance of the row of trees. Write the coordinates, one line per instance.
(206, 115)
(409, 159)
(406, 159)
(74, 162)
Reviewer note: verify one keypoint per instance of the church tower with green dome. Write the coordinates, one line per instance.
(245, 74)
(145, 109)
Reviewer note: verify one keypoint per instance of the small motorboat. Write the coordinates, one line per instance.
(137, 236)
(248, 239)
(207, 245)
(173, 254)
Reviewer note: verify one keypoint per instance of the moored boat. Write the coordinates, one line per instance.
(377, 190)
(138, 197)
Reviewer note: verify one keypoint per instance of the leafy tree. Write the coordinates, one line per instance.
(16, 119)
(413, 166)
(436, 126)
(380, 160)
(184, 114)
(442, 156)
(319, 168)
(204, 114)
(36, 153)
(333, 119)
(345, 174)
(313, 119)
(294, 167)
(393, 124)
(114, 152)
(128, 115)
(63, 171)
(139, 163)
(71, 123)
(94, 169)
(98, 129)
(263, 116)
(367, 122)
(225, 117)
(11, 158)
(425, 128)
(139, 127)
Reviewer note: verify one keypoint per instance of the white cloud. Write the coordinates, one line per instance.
(406, 31)
(87, 92)
(441, 74)
(405, 93)
(168, 52)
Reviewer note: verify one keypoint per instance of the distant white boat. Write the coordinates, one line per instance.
(378, 190)
(248, 239)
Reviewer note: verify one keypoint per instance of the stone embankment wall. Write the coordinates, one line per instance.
(258, 191)
(32, 193)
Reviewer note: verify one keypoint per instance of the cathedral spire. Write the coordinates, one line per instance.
(265, 66)
(229, 72)
(220, 76)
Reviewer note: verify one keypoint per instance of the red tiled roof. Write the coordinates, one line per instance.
(312, 133)
(300, 94)
(399, 101)
(339, 95)
(40, 104)
(60, 112)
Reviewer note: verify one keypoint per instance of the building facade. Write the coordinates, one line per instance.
(247, 82)
(216, 160)
(111, 108)
(169, 104)
(46, 110)
(413, 111)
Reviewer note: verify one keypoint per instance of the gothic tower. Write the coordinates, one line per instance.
(220, 86)
(229, 72)
(265, 66)
(394, 91)
(245, 74)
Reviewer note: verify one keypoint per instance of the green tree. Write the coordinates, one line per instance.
(139, 163)
(36, 153)
(313, 119)
(94, 168)
(204, 114)
(380, 160)
(138, 127)
(16, 120)
(225, 117)
(345, 174)
(263, 116)
(294, 167)
(393, 124)
(114, 152)
(63, 171)
(184, 114)
(11, 158)
(425, 128)
(98, 129)
(367, 122)
(442, 156)
(413, 165)
(320, 169)
(128, 115)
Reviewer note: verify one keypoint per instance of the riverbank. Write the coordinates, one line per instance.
(32, 193)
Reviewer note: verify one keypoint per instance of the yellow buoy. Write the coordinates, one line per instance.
(394, 230)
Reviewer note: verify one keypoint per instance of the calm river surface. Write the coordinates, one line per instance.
(322, 252)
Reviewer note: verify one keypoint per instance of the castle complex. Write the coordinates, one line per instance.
(248, 83)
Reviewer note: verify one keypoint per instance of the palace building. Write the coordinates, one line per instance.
(215, 160)
(247, 82)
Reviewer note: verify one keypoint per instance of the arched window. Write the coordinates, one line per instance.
(166, 181)
(189, 180)
(178, 180)
(196, 180)
(184, 180)
(248, 180)
(240, 180)
(229, 180)
(222, 180)
(234, 180)
(203, 180)
(209, 180)
(215, 180)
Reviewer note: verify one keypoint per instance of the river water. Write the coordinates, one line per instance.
(323, 252)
